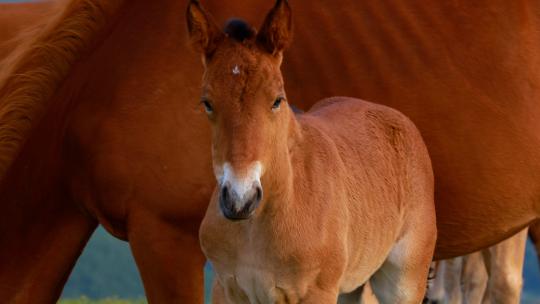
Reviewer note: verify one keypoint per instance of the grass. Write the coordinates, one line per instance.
(114, 300)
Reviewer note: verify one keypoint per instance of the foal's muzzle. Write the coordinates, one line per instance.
(239, 206)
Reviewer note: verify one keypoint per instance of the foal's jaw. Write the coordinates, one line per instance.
(239, 192)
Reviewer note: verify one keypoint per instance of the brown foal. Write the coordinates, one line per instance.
(309, 207)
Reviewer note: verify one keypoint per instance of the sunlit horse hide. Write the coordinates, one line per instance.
(100, 122)
(493, 275)
(306, 207)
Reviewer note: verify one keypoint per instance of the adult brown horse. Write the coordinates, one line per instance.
(100, 122)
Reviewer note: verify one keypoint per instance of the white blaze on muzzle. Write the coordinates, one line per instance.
(242, 185)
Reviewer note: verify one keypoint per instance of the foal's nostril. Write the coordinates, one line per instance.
(225, 199)
(259, 194)
(225, 196)
(224, 193)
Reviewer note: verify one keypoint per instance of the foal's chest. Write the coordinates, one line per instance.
(264, 283)
(253, 270)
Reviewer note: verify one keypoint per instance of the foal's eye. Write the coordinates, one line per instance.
(277, 103)
(207, 106)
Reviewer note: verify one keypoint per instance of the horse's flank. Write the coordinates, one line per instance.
(31, 75)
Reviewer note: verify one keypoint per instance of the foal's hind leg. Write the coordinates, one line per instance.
(403, 276)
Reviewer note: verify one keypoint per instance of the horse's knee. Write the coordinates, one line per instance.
(510, 282)
(504, 289)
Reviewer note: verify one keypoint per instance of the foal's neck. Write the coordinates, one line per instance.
(279, 175)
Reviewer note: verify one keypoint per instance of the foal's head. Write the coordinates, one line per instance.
(244, 98)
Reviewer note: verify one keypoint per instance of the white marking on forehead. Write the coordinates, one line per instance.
(236, 70)
(241, 184)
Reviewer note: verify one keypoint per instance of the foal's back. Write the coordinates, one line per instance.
(382, 167)
(373, 141)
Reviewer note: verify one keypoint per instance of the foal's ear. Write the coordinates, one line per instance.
(276, 32)
(203, 31)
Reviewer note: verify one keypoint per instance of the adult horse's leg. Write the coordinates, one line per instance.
(169, 258)
(534, 234)
(505, 265)
(452, 279)
(436, 284)
(39, 247)
(459, 280)
(473, 278)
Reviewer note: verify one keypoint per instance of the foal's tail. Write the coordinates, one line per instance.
(534, 235)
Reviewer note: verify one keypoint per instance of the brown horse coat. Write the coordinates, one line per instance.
(110, 130)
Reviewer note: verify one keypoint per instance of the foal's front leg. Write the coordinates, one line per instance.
(319, 296)
(218, 293)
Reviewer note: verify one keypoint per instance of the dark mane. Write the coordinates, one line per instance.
(239, 30)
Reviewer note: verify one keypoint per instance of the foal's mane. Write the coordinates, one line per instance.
(239, 30)
(34, 71)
